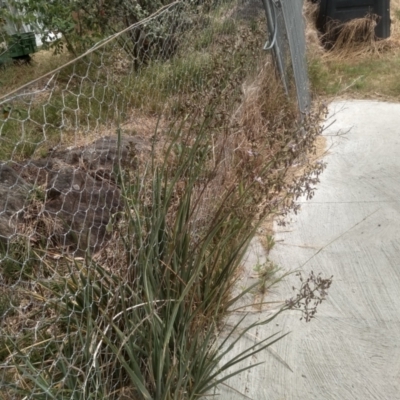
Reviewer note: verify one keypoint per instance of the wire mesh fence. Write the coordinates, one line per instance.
(288, 44)
(112, 166)
(68, 141)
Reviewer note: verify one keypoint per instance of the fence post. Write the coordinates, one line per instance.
(272, 22)
(288, 46)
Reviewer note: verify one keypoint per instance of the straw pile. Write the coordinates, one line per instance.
(356, 37)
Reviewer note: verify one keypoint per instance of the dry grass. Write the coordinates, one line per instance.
(314, 46)
(355, 36)
(257, 133)
(43, 61)
(357, 66)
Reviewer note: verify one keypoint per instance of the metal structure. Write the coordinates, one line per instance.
(20, 46)
(346, 10)
(288, 45)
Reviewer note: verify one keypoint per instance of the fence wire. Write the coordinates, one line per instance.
(81, 220)
(288, 44)
(66, 140)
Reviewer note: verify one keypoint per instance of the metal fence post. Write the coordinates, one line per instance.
(272, 22)
(288, 45)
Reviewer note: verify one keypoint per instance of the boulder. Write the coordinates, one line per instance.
(104, 153)
(84, 206)
(79, 190)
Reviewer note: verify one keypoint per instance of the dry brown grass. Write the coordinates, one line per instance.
(43, 62)
(266, 118)
(260, 147)
(313, 40)
(355, 37)
(255, 135)
(357, 65)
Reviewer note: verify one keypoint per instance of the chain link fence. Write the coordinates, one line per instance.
(288, 45)
(79, 141)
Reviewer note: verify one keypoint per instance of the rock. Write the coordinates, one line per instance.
(84, 206)
(79, 189)
(104, 152)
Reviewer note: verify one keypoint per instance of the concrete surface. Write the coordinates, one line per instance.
(350, 229)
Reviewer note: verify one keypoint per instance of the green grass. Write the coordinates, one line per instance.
(87, 94)
(154, 85)
(266, 273)
(29, 128)
(209, 60)
(365, 76)
(14, 76)
(8, 302)
(17, 260)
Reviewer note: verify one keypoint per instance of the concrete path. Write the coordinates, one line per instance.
(350, 229)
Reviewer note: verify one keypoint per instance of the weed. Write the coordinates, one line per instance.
(269, 243)
(266, 273)
(310, 295)
(37, 194)
(318, 74)
(227, 27)
(17, 260)
(8, 302)
(151, 325)
(157, 289)
(204, 39)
